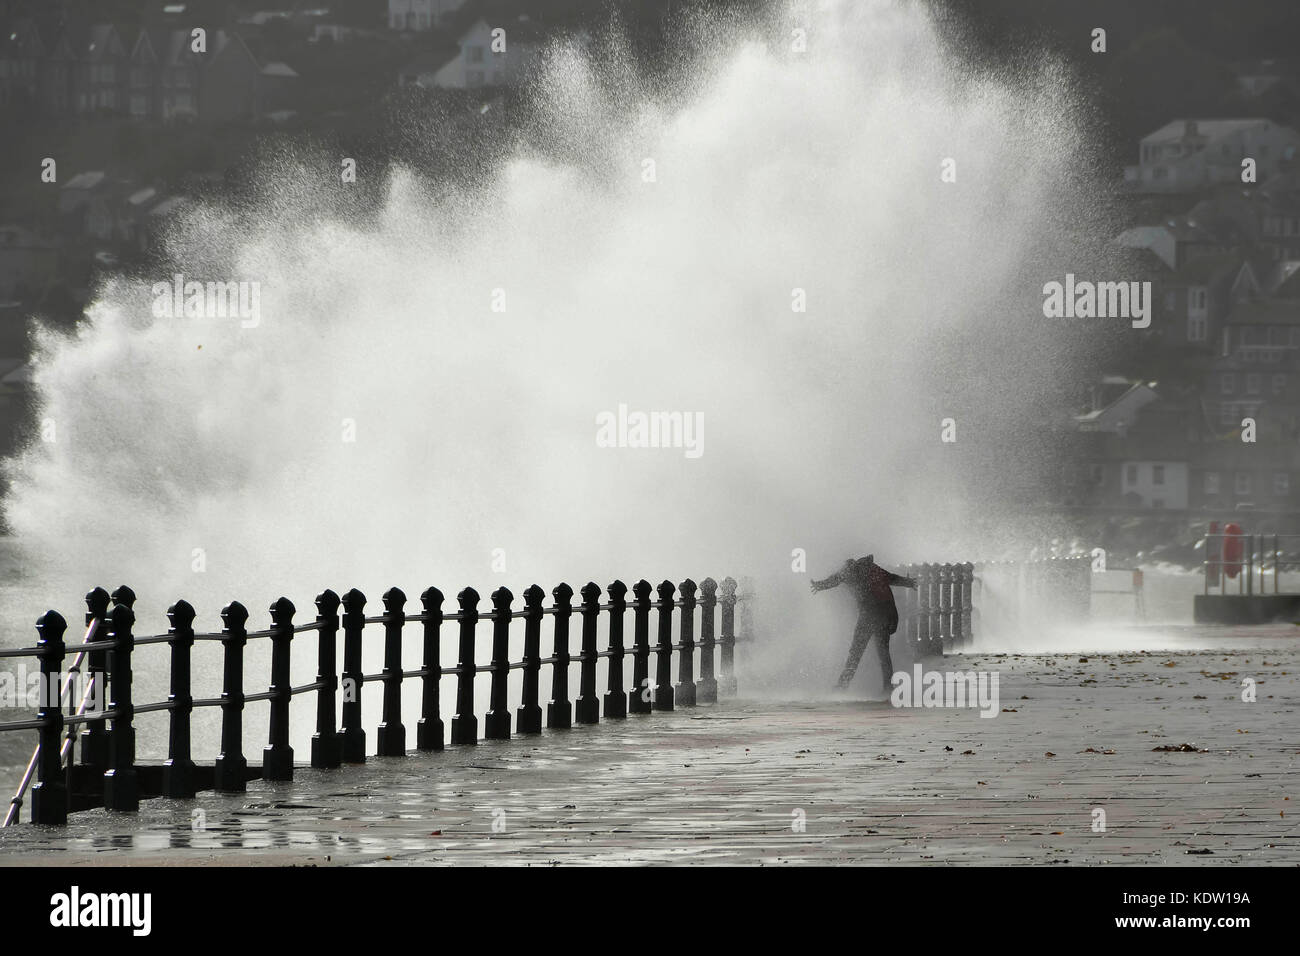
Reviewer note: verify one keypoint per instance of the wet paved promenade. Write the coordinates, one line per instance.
(771, 782)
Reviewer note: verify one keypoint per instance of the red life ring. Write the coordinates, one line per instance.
(1233, 549)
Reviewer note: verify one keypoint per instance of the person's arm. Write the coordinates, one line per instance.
(830, 582)
(897, 580)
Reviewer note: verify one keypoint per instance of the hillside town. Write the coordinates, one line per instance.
(1199, 420)
(1202, 422)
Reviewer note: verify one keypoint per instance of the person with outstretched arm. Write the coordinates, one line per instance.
(877, 613)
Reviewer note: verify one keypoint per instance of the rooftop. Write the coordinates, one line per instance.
(1176, 131)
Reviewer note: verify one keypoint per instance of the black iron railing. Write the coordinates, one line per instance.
(109, 775)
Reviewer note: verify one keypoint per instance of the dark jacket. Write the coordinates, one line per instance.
(871, 585)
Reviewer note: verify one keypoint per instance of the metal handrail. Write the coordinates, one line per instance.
(1253, 549)
(16, 802)
(53, 725)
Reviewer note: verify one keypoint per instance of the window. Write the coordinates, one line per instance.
(474, 78)
(1252, 383)
(1211, 484)
(476, 54)
(1096, 473)
(1227, 415)
(1242, 483)
(1279, 384)
(1131, 474)
(1198, 330)
(1226, 383)
(1281, 484)
(1171, 301)
(1196, 298)
(1157, 474)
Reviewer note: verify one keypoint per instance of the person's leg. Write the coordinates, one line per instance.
(861, 634)
(881, 638)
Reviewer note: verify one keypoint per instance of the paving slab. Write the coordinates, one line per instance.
(770, 782)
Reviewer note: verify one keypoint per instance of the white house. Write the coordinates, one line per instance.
(420, 15)
(1158, 484)
(1190, 154)
(491, 55)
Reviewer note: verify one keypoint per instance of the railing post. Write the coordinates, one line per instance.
(121, 785)
(638, 701)
(924, 580)
(913, 599)
(967, 601)
(1213, 553)
(277, 756)
(706, 688)
(727, 640)
(94, 738)
(496, 726)
(662, 698)
(559, 712)
(50, 794)
(945, 609)
(1276, 559)
(231, 770)
(178, 771)
(616, 697)
(326, 753)
(391, 739)
(587, 709)
(528, 719)
(352, 735)
(429, 731)
(1249, 556)
(464, 725)
(684, 692)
